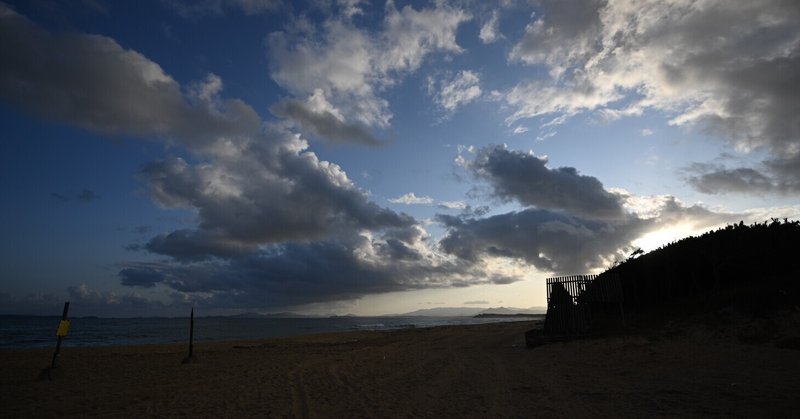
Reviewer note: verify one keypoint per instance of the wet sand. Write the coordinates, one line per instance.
(463, 371)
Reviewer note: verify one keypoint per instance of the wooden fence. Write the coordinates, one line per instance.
(565, 313)
(570, 300)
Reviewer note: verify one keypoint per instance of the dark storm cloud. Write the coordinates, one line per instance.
(324, 124)
(577, 226)
(275, 224)
(525, 178)
(268, 196)
(786, 171)
(775, 177)
(721, 180)
(291, 274)
(93, 82)
(561, 243)
(763, 111)
(395, 249)
(551, 241)
(140, 277)
(252, 187)
(192, 245)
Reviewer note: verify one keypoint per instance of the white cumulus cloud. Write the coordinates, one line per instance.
(351, 66)
(730, 67)
(411, 199)
(452, 92)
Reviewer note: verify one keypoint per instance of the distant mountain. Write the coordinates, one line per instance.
(248, 315)
(284, 314)
(472, 311)
(510, 311)
(442, 312)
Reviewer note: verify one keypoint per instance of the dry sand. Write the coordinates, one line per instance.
(466, 371)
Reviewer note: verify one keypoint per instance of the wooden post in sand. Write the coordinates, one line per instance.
(189, 358)
(63, 329)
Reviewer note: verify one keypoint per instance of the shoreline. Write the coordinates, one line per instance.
(447, 371)
(37, 332)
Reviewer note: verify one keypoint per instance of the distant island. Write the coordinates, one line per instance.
(425, 312)
(472, 312)
(503, 316)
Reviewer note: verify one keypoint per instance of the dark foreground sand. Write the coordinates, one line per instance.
(465, 371)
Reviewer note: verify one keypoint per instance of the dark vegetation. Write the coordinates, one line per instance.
(742, 280)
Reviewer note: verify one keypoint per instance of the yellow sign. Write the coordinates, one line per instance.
(63, 328)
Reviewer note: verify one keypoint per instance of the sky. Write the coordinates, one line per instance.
(354, 157)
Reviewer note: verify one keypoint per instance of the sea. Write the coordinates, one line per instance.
(40, 332)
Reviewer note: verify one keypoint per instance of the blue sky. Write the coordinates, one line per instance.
(377, 157)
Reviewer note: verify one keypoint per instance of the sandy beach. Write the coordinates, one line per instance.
(463, 371)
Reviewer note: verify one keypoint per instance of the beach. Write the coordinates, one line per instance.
(450, 371)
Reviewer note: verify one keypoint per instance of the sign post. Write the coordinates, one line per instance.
(61, 332)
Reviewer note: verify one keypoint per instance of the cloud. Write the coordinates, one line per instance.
(274, 224)
(524, 177)
(324, 123)
(411, 199)
(191, 245)
(540, 98)
(291, 274)
(350, 66)
(562, 35)
(550, 241)
(94, 83)
(490, 31)
(142, 277)
(718, 179)
(411, 34)
(198, 8)
(278, 222)
(84, 195)
(476, 302)
(727, 67)
(258, 192)
(453, 205)
(572, 223)
(562, 243)
(351, 8)
(519, 129)
(450, 93)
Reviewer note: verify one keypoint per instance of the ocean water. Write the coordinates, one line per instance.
(40, 332)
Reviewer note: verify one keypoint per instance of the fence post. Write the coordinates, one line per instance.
(190, 358)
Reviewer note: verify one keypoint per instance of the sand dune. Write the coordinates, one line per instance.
(464, 371)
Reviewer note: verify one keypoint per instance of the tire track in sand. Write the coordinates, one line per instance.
(299, 394)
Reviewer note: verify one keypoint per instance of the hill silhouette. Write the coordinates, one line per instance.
(743, 278)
